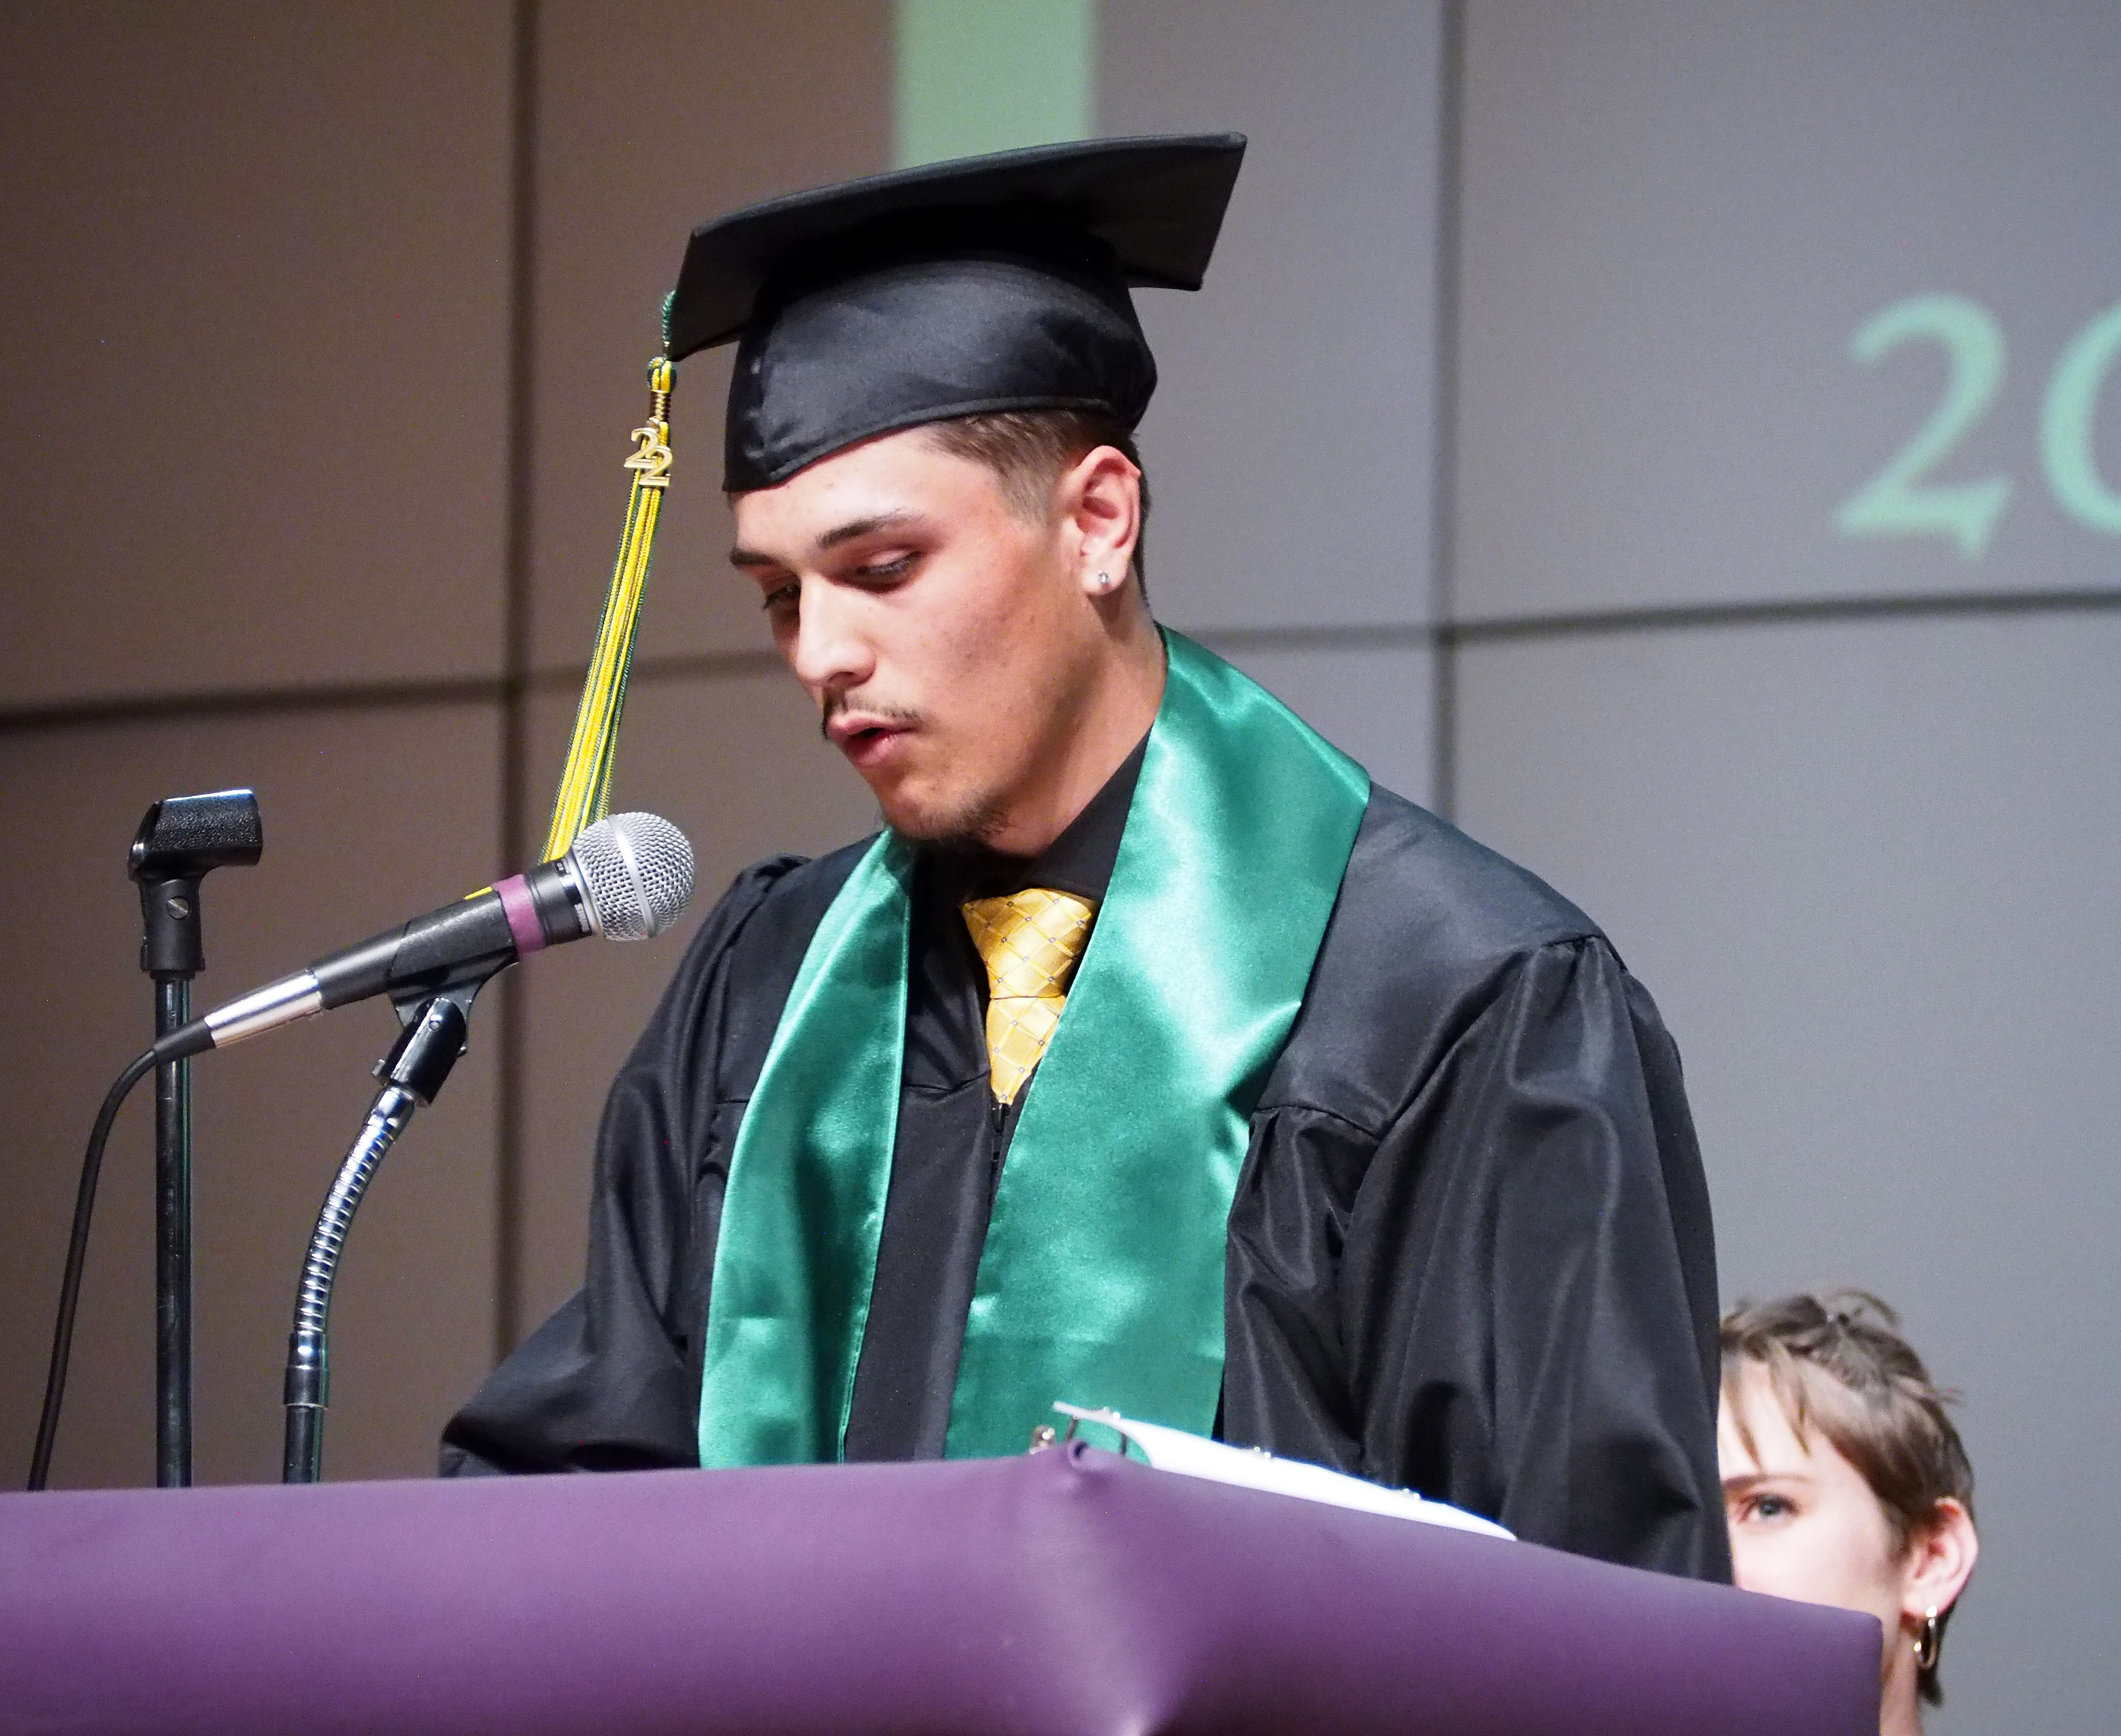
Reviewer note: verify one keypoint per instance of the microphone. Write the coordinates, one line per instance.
(627, 878)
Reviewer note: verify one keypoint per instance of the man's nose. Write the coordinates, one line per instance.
(829, 651)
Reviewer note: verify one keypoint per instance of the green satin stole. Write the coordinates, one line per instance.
(1101, 1277)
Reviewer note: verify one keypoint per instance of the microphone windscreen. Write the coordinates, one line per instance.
(637, 870)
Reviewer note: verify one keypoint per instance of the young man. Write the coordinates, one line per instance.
(1353, 1141)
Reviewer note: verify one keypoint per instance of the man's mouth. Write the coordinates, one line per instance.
(867, 740)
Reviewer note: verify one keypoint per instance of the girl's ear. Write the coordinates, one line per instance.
(1940, 1558)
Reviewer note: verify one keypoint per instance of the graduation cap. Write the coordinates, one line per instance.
(960, 289)
(966, 288)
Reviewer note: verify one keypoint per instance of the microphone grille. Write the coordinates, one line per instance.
(638, 870)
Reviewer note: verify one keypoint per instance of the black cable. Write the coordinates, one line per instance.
(84, 1209)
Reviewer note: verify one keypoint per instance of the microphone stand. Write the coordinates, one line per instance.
(412, 1073)
(173, 1242)
(181, 839)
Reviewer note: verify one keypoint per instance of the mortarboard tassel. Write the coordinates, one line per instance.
(584, 793)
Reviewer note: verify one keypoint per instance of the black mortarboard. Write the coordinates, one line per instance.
(964, 288)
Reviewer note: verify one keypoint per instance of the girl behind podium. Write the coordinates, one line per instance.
(1845, 1481)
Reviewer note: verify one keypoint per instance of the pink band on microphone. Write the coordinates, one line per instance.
(521, 911)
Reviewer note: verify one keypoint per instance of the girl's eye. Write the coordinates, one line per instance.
(1772, 1507)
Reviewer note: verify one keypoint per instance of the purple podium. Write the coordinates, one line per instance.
(1071, 1591)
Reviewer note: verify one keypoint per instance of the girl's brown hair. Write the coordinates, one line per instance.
(1836, 1362)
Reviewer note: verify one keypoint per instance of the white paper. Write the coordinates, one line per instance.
(1251, 1468)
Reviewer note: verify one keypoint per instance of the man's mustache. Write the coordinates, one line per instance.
(835, 704)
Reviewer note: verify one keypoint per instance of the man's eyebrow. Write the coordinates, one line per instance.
(740, 555)
(859, 527)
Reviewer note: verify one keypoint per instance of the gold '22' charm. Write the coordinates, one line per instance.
(652, 457)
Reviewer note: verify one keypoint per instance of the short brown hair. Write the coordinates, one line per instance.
(1835, 1361)
(1028, 450)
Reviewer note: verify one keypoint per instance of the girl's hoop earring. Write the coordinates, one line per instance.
(1928, 1639)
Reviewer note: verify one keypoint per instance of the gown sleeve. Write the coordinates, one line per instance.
(611, 1381)
(1507, 1299)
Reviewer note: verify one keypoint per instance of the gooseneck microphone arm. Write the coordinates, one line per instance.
(412, 1073)
(627, 878)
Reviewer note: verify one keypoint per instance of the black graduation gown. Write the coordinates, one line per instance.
(1470, 1252)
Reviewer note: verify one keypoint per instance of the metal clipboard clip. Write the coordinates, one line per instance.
(1253, 1467)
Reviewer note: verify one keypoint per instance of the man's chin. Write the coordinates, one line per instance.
(941, 820)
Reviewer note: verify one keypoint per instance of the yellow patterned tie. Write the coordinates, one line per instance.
(1030, 942)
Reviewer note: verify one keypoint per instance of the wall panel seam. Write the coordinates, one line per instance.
(1443, 440)
(1796, 612)
(363, 696)
(707, 666)
(510, 1064)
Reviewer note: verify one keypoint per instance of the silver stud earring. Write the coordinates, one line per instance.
(1104, 581)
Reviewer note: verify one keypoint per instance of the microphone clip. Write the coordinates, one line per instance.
(181, 840)
(436, 1033)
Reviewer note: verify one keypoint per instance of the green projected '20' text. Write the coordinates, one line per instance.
(1900, 500)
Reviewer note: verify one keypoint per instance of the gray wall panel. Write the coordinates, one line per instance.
(255, 265)
(369, 819)
(1289, 445)
(1679, 213)
(1867, 869)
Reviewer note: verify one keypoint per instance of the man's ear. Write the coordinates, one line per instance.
(1940, 1558)
(1099, 499)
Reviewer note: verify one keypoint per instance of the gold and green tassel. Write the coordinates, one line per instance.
(585, 793)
